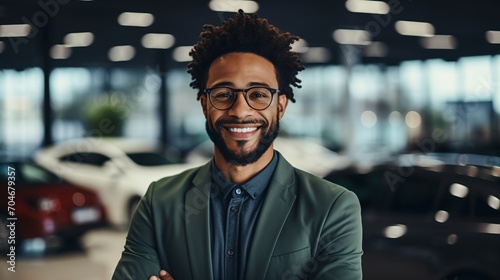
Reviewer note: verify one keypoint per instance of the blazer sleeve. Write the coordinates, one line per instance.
(340, 246)
(139, 258)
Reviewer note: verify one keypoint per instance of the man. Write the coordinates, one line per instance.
(247, 214)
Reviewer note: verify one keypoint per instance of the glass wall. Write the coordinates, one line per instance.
(21, 95)
(424, 106)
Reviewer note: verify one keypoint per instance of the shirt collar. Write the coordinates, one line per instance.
(254, 187)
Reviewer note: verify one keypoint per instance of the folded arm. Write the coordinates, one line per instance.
(140, 257)
(340, 247)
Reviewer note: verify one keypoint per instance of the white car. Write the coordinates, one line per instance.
(119, 170)
(303, 153)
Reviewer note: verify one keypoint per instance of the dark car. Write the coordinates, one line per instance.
(428, 217)
(40, 212)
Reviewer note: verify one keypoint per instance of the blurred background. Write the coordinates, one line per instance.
(397, 94)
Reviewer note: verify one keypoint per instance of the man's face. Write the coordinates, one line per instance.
(241, 134)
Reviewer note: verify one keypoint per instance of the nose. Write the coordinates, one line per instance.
(240, 108)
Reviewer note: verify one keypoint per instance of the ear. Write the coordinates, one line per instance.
(282, 103)
(203, 102)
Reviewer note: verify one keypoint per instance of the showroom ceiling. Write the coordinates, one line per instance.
(442, 29)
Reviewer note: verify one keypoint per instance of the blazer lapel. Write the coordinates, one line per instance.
(197, 223)
(277, 204)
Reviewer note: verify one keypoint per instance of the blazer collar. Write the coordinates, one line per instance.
(277, 205)
(197, 223)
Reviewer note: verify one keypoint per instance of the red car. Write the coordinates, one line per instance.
(40, 212)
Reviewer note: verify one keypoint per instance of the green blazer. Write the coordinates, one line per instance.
(308, 228)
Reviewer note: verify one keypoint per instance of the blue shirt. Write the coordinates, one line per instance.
(234, 210)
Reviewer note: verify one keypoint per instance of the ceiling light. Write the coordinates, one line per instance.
(459, 190)
(395, 231)
(351, 37)
(414, 28)
(490, 228)
(495, 171)
(15, 30)
(233, 6)
(181, 54)
(367, 7)
(60, 52)
(441, 216)
(300, 46)
(493, 37)
(472, 171)
(135, 19)
(445, 42)
(368, 119)
(452, 239)
(157, 41)
(80, 39)
(376, 49)
(316, 55)
(2, 46)
(494, 202)
(121, 53)
(413, 119)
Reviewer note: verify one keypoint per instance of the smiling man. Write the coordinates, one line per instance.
(246, 214)
(242, 119)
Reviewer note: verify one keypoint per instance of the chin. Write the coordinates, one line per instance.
(243, 152)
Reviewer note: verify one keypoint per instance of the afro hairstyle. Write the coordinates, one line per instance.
(246, 33)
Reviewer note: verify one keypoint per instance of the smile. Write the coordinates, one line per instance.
(242, 129)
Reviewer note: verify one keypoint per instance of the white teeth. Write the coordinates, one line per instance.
(242, 130)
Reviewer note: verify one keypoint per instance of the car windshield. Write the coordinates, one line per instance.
(149, 159)
(27, 174)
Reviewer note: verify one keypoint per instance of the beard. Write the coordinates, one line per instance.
(242, 157)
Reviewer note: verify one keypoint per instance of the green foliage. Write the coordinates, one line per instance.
(106, 119)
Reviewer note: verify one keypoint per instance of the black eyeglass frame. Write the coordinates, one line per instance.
(245, 91)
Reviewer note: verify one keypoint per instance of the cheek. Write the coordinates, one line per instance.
(212, 115)
(270, 118)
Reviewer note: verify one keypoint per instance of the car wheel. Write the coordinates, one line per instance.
(468, 275)
(132, 206)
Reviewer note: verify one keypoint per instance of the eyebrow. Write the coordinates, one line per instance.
(251, 84)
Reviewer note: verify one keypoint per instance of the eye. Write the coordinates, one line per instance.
(259, 93)
(222, 93)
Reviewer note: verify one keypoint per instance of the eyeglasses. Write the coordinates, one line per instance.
(223, 98)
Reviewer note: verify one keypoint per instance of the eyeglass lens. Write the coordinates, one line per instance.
(257, 98)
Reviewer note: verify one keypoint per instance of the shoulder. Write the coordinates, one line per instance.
(309, 187)
(315, 188)
(176, 186)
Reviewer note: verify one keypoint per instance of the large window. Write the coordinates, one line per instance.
(366, 110)
(21, 127)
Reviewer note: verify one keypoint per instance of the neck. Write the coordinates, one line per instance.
(240, 174)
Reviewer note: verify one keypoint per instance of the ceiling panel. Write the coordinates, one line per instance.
(313, 20)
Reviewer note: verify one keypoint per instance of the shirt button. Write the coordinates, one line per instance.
(234, 209)
(238, 191)
(230, 252)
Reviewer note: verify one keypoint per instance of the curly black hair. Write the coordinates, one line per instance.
(246, 33)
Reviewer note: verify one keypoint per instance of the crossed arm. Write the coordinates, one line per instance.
(163, 275)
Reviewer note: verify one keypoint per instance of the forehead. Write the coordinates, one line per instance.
(241, 67)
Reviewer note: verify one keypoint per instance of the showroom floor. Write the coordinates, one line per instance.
(96, 262)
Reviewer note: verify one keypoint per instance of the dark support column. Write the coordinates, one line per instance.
(164, 100)
(45, 44)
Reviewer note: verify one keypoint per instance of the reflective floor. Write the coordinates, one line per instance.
(94, 259)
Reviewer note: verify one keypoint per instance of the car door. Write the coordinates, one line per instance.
(86, 169)
(398, 236)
